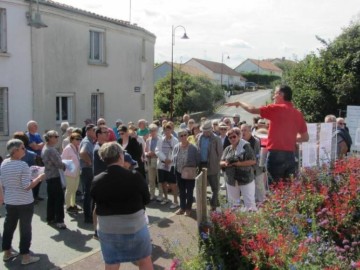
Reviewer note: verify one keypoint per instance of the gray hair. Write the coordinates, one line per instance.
(64, 125)
(30, 123)
(330, 118)
(110, 152)
(153, 126)
(49, 134)
(13, 144)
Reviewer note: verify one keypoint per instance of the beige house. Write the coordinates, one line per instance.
(219, 73)
(263, 67)
(66, 64)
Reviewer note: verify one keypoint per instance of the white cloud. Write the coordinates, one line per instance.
(267, 28)
(236, 43)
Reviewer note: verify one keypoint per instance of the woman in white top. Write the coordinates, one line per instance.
(15, 192)
(71, 152)
(165, 165)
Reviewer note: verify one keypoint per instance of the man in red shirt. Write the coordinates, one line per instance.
(287, 127)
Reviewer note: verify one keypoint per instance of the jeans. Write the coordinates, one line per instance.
(55, 201)
(280, 165)
(86, 180)
(15, 213)
(186, 192)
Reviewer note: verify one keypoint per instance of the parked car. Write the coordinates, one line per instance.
(250, 85)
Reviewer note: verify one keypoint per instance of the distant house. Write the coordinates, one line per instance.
(70, 65)
(263, 67)
(219, 73)
(163, 69)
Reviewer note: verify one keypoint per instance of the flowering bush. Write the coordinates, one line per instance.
(311, 222)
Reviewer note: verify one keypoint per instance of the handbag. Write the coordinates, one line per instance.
(188, 173)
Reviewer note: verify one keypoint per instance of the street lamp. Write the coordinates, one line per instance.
(172, 67)
(222, 64)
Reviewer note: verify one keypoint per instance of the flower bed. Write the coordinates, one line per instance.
(311, 223)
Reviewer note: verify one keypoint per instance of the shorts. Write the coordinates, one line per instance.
(168, 177)
(119, 248)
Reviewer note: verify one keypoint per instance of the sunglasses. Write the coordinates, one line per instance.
(182, 135)
(232, 137)
(104, 132)
(78, 139)
(55, 136)
(223, 128)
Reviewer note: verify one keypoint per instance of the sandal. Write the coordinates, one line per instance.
(180, 212)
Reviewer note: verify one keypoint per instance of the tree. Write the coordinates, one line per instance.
(329, 81)
(191, 94)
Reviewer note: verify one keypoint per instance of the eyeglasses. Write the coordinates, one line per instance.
(223, 129)
(228, 123)
(104, 132)
(121, 133)
(182, 135)
(102, 123)
(55, 136)
(78, 139)
(232, 137)
(341, 124)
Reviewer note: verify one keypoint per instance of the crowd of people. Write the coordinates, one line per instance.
(153, 161)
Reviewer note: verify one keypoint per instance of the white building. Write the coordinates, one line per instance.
(219, 73)
(80, 66)
(262, 67)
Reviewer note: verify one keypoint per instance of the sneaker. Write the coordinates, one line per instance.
(180, 211)
(174, 205)
(165, 201)
(71, 210)
(12, 254)
(159, 199)
(61, 226)
(223, 186)
(187, 213)
(29, 260)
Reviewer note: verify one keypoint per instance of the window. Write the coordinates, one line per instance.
(3, 48)
(65, 108)
(4, 112)
(97, 106)
(97, 46)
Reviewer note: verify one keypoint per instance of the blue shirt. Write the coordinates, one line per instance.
(88, 147)
(153, 144)
(36, 138)
(204, 148)
(29, 158)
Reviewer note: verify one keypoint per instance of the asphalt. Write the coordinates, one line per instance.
(171, 237)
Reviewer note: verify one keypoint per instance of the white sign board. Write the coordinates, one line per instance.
(353, 123)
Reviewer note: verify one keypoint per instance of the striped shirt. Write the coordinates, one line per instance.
(15, 178)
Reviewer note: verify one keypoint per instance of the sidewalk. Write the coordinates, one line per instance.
(175, 231)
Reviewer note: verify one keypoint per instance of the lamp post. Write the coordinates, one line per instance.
(222, 64)
(172, 67)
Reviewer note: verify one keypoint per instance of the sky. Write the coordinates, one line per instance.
(232, 30)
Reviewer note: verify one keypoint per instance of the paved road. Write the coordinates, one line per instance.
(57, 247)
(257, 98)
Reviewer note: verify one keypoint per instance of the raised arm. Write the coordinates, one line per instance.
(247, 107)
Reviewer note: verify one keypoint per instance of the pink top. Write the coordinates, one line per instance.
(72, 153)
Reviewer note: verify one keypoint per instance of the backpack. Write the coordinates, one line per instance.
(345, 136)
